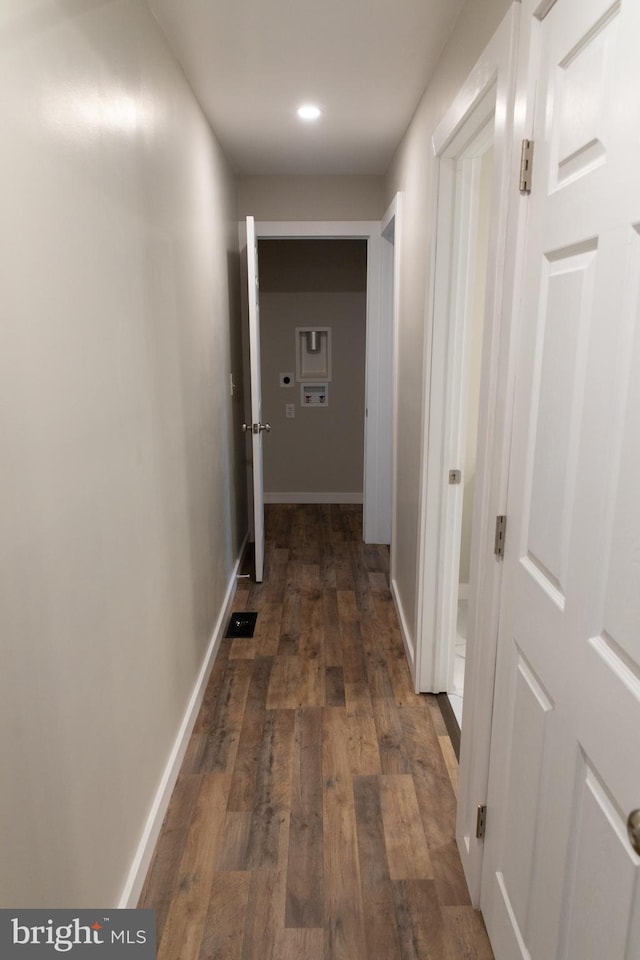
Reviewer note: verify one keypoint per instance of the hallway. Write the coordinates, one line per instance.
(314, 814)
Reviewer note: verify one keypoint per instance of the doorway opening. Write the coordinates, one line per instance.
(465, 206)
(473, 205)
(313, 316)
(379, 368)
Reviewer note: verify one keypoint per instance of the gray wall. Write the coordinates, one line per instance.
(120, 518)
(313, 283)
(311, 198)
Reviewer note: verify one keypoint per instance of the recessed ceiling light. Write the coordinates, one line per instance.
(308, 112)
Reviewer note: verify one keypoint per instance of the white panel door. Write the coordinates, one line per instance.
(256, 426)
(560, 878)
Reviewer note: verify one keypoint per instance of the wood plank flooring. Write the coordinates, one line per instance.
(314, 814)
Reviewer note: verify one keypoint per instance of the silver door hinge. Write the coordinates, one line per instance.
(481, 822)
(501, 530)
(526, 166)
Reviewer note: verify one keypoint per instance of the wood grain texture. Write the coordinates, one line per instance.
(421, 927)
(334, 686)
(187, 915)
(343, 909)
(290, 623)
(364, 749)
(450, 761)
(303, 944)
(244, 773)
(314, 814)
(265, 914)
(331, 628)
(163, 872)
(304, 904)
(223, 934)
(233, 854)
(272, 799)
(466, 932)
(407, 850)
(267, 632)
(381, 926)
(296, 682)
(220, 748)
(243, 648)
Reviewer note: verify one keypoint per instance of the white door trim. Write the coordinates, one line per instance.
(460, 179)
(391, 232)
(379, 369)
(390, 274)
(494, 69)
(256, 400)
(317, 229)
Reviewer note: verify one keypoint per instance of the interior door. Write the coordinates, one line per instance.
(256, 427)
(561, 880)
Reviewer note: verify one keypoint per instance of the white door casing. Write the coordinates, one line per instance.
(255, 426)
(455, 331)
(560, 880)
(378, 442)
(382, 378)
(386, 385)
(490, 87)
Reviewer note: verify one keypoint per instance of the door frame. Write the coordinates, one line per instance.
(384, 397)
(255, 403)
(494, 69)
(379, 364)
(455, 275)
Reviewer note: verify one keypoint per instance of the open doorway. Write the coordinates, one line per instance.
(379, 424)
(465, 204)
(313, 314)
(475, 130)
(473, 196)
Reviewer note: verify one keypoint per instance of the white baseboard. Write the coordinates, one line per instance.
(302, 497)
(463, 591)
(409, 646)
(146, 847)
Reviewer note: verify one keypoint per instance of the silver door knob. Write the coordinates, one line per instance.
(633, 829)
(255, 427)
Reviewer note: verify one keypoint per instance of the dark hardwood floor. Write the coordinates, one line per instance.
(314, 815)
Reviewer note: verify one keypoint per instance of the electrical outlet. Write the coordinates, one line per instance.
(290, 411)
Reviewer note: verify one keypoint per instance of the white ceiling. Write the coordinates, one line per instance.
(253, 62)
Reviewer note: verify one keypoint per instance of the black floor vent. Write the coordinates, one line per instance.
(242, 625)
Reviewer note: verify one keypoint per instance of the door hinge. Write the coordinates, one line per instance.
(481, 822)
(501, 530)
(526, 166)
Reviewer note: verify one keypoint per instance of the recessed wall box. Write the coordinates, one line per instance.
(313, 353)
(314, 394)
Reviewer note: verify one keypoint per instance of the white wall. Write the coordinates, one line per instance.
(412, 172)
(119, 525)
